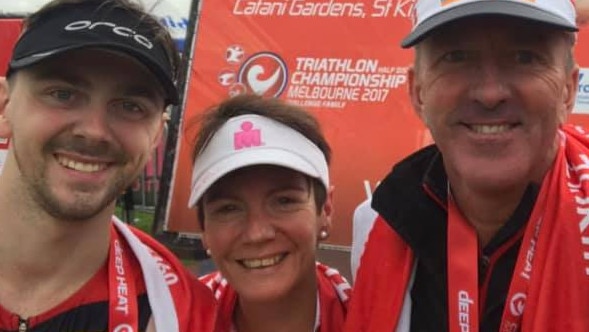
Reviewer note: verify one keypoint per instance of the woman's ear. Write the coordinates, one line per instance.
(327, 212)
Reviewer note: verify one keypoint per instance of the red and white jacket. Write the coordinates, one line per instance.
(333, 296)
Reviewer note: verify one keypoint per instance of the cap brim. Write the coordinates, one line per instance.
(484, 8)
(153, 66)
(255, 157)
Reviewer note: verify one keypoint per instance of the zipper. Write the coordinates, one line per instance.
(484, 262)
(23, 325)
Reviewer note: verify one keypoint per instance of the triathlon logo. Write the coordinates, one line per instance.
(517, 304)
(123, 328)
(263, 73)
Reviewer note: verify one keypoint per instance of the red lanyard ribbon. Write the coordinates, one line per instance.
(463, 291)
(123, 312)
(520, 282)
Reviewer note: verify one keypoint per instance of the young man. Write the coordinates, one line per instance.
(486, 230)
(86, 92)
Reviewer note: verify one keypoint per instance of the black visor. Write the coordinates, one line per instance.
(91, 25)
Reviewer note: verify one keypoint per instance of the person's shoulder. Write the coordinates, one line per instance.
(419, 160)
(216, 283)
(194, 302)
(336, 279)
(211, 277)
(364, 205)
(364, 211)
(181, 281)
(167, 261)
(329, 271)
(169, 264)
(407, 178)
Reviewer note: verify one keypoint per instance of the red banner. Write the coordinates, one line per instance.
(9, 31)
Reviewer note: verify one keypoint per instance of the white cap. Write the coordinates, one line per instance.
(431, 14)
(248, 140)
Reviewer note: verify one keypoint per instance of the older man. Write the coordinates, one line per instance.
(486, 229)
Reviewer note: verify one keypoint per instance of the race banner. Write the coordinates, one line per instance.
(9, 31)
(340, 60)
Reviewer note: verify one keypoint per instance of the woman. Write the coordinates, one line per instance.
(260, 185)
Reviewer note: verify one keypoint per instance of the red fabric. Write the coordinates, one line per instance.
(194, 304)
(558, 294)
(558, 297)
(226, 298)
(334, 293)
(123, 312)
(463, 277)
(95, 290)
(383, 275)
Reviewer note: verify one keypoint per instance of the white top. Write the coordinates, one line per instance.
(362, 222)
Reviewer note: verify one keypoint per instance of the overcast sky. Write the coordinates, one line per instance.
(164, 7)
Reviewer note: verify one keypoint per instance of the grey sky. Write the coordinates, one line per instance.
(164, 7)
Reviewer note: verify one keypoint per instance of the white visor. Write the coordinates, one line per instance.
(429, 15)
(248, 140)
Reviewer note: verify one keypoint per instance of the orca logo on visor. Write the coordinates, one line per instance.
(118, 30)
(264, 74)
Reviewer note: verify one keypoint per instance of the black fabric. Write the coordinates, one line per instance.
(91, 317)
(91, 25)
(412, 199)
